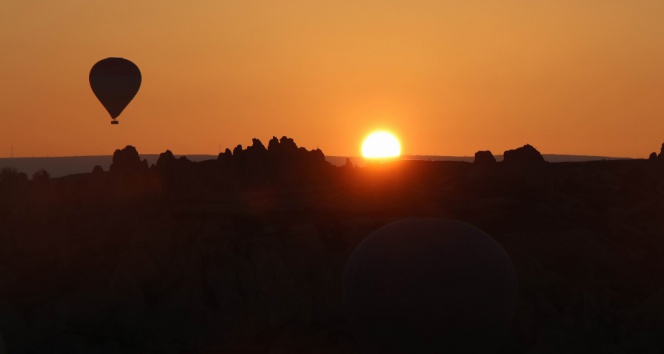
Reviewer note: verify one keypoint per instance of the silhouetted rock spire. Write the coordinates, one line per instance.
(525, 155)
(484, 158)
(168, 163)
(256, 153)
(281, 163)
(257, 145)
(273, 144)
(166, 160)
(226, 156)
(127, 161)
(237, 152)
(287, 143)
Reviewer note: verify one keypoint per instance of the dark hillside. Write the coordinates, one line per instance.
(244, 253)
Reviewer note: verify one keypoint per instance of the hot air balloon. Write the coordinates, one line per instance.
(115, 82)
(429, 286)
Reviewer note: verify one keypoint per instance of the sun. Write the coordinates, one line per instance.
(381, 145)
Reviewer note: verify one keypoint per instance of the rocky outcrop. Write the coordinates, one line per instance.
(225, 156)
(523, 156)
(257, 267)
(166, 160)
(127, 161)
(484, 158)
(282, 163)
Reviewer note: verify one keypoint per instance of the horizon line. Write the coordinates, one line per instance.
(401, 157)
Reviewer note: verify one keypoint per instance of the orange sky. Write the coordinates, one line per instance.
(447, 77)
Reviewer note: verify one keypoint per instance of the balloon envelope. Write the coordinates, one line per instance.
(429, 286)
(115, 82)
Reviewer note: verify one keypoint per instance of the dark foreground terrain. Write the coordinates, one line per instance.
(245, 253)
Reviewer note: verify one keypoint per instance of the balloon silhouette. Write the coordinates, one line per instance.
(429, 286)
(115, 82)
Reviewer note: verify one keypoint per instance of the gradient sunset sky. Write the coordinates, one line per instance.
(447, 77)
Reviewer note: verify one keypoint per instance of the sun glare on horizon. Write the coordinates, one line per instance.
(381, 145)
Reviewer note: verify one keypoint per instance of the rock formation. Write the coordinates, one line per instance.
(484, 158)
(127, 161)
(213, 257)
(523, 156)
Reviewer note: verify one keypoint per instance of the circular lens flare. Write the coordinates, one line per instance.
(381, 145)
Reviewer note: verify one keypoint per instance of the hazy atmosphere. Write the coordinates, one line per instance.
(446, 77)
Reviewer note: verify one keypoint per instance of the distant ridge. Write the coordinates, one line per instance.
(62, 166)
(359, 161)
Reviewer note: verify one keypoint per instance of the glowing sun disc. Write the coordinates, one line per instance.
(381, 145)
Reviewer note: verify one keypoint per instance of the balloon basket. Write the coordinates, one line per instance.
(114, 122)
